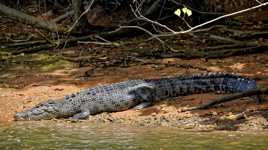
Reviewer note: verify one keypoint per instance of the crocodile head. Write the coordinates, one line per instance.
(43, 111)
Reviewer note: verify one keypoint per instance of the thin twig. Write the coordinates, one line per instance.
(140, 28)
(211, 21)
(138, 15)
(97, 43)
(77, 20)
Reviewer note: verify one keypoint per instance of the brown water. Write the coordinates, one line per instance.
(59, 135)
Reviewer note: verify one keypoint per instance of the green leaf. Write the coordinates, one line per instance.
(178, 12)
(187, 11)
(184, 9)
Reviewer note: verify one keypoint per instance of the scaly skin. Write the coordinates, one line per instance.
(135, 93)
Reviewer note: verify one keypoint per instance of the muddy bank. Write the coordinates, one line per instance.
(24, 88)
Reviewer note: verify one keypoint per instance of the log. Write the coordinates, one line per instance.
(24, 18)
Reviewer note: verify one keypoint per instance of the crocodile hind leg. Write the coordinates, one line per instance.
(146, 95)
(84, 114)
(142, 105)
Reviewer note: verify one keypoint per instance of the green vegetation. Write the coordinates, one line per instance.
(37, 61)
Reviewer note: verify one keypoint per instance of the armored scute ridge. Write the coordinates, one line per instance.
(135, 94)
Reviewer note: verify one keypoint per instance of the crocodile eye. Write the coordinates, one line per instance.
(37, 112)
(50, 109)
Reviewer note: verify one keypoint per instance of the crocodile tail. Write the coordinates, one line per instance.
(244, 84)
(235, 84)
(203, 83)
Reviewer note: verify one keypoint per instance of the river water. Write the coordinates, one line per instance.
(67, 135)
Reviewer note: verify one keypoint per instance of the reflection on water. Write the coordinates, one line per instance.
(63, 135)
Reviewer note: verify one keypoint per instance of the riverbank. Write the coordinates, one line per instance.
(23, 87)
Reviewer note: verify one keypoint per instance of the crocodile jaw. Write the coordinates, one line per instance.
(29, 115)
(42, 111)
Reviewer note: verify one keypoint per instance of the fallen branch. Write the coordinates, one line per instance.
(33, 49)
(62, 17)
(22, 17)
(228, 99)
(221, 51)
(250, 35)
(59, 44)
(24, 44)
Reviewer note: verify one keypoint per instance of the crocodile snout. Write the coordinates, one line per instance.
(21, 116)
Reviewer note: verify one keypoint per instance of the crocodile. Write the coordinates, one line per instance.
(136, 94)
